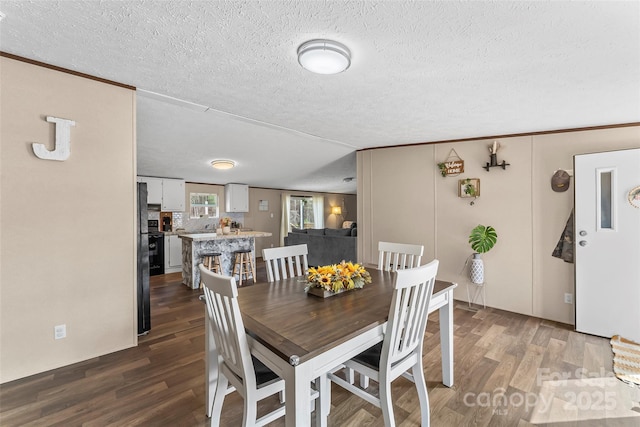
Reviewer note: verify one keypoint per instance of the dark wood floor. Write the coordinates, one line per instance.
(510, 370)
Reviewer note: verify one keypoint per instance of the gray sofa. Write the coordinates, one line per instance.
(326, 245)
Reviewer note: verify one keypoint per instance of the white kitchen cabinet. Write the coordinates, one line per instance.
(166, 192)
(172, 254)
(173, 195)
(154, 189)
(236, 197)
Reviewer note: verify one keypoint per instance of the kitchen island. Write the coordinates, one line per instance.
(194, 245)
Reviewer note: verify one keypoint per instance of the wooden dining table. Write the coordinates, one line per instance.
(302, 337)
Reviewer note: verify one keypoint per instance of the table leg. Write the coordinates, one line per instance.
(298, 396)
(446, 339)
(323, 404)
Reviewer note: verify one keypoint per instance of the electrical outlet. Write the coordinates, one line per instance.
(568, 298)
(60, 331)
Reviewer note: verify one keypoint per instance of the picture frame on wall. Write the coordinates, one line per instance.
(469, 187)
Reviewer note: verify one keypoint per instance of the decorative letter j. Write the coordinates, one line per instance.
(62, 149)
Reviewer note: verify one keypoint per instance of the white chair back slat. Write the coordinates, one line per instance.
(398, 256)
(288, 267)
(286, 261)
(295, 266)
(273, 268)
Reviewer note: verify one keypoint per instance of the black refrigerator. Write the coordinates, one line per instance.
(142, 218)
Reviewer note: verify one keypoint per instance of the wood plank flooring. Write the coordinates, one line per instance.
(510, 370)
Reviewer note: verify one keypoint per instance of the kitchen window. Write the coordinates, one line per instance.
(203, 205)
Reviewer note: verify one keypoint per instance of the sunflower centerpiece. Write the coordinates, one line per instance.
(338, 277)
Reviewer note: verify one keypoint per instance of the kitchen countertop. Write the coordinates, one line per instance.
(196, 237)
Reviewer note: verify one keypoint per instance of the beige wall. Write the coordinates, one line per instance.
(269, 221)
(395, 200)
(67, 252)
(403, 198)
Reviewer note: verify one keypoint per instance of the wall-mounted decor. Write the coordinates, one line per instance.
(263, 205)
(560, 180)
(62, 148)
(453, 166)
(469, 187)
(634, 197)
(493, 157)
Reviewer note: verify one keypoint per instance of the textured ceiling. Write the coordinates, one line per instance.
(421, 71)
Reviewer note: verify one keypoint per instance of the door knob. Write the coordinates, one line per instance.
(583, 243)
(583, 233)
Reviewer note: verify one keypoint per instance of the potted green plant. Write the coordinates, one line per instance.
(481, 239)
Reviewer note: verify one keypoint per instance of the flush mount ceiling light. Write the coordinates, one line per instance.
(324, 56)
(223, 164)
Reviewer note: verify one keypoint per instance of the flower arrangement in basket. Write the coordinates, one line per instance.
(225, 222)
(338, 277)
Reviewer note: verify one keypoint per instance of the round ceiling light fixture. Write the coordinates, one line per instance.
(223, 164)
(324, 56)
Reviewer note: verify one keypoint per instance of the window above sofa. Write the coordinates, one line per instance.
(305, 211)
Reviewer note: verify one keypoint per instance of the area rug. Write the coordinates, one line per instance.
(626, 360)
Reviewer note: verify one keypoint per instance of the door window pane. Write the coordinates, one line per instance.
(606, 204)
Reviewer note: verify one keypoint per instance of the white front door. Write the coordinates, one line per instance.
(607, 244)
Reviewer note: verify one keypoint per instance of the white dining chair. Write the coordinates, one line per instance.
(393, 257)
(401, 348)
(398, 256)
(286, 261)
(250, 377)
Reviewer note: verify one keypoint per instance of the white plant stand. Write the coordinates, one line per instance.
(476, 292)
